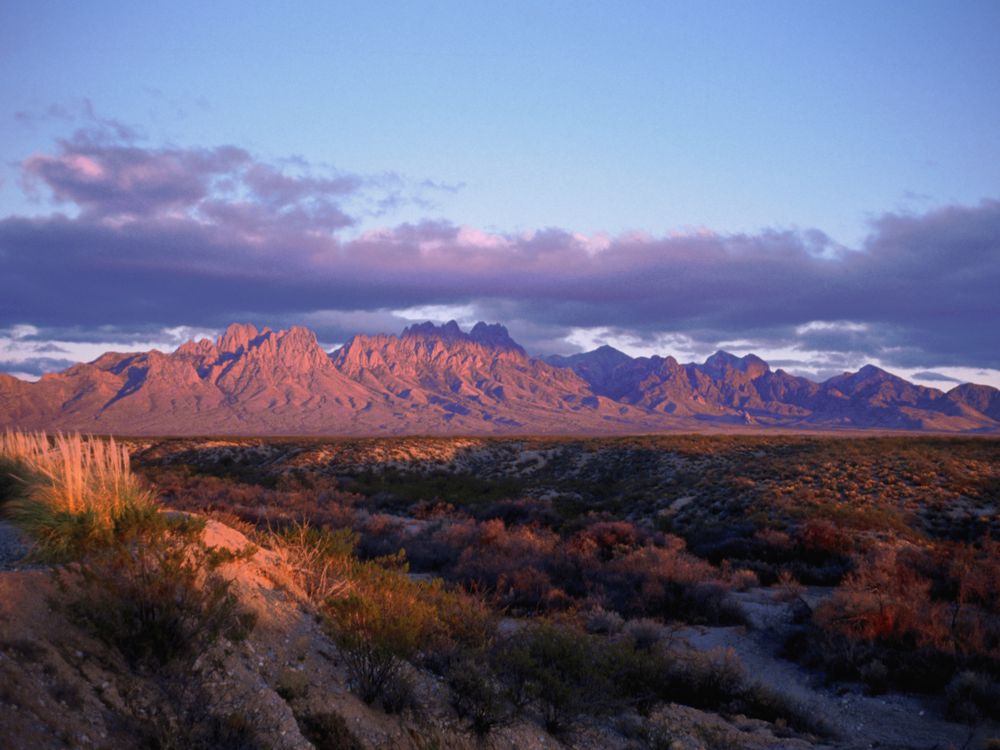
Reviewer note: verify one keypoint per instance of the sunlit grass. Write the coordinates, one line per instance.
(68, 491)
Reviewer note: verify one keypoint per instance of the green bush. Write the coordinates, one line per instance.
(563, 671)
(152, 591)
(379, 625)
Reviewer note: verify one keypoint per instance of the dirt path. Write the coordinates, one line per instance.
(861, 721)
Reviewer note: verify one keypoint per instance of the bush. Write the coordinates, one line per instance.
(643, 633)
(973, 696)
(601, 622)
(320, 558)
(292, 685)
(380, 624)
(478, 696)
(329, 731)
(153, 593)
(563, 671)
(400, 693)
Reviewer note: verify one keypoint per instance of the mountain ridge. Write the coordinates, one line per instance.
(439, 379)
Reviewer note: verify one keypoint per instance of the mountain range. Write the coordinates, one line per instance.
(441, 380)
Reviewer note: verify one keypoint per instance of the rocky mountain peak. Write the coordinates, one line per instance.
(239, 337)
(722, 361)
(494, 335)
(446, 331)
(437, 378)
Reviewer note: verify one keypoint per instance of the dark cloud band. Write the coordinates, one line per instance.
(198, 237)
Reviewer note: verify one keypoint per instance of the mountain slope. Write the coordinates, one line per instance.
(474, 379)
(441, 380)
(982, 398)
(729, 388)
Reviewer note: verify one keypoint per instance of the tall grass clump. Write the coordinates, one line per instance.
(68, 492)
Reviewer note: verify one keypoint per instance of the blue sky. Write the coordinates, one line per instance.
(595, 119)
(595, 116)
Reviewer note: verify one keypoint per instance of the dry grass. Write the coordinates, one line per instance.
(318, 560)
(66, 489)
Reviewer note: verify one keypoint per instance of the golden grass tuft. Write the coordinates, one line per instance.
(69, 487)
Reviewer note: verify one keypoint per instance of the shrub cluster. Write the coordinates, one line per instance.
(153, 592)
(564, 675)
(380, 617)
(910, 618)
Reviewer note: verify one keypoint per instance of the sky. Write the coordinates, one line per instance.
(818, 183)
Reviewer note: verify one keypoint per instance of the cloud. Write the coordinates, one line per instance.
(939, 377)
(34, 366)
(111, 181)
(174, 236)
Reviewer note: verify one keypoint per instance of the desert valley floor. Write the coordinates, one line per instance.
(683, 591)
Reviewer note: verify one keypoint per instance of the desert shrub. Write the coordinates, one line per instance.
(153, 592)
(376, 634)
(234, 731)
(606, 540)
(602, 622)
(381, 535)
(910, 619)
(399, 693)
(169, 726)
(15, 480)
(665, 582)
(68, 493)
(763, 702)
(875, 676)
(882, 599)
(319, 557)
(562, 672)
(519, 512)
(973, 696)
(644, 634)
(478, 696)
(709, 679)
(292, 685)
(287, 499)
(815, 552)
(328, 731)
(382, 620)
(716, 680)
(744, 580)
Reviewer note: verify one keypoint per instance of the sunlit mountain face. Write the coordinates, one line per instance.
(443, 380)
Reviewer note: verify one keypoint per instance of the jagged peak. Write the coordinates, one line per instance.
(298, 334)
(494, 335)
(239, 335)
(722, 360)
(428, 329)
(194, 348)
(490, 335)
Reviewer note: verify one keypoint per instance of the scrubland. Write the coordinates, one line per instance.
(522, 593)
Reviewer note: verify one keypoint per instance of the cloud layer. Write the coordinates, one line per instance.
(147, 238)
